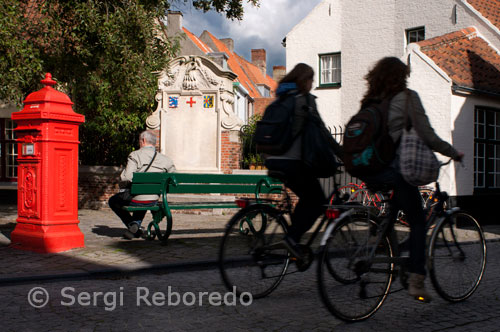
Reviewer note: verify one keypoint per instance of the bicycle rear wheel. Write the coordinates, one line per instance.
(457, 256)
(247, 262)
(352, 286)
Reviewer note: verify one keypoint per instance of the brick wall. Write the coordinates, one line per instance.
(230, 151)
(96, 184)
(260, 104)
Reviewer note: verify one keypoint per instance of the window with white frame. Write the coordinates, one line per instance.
(486, 149)
(264, 90)
(329, 70)
(415, 35)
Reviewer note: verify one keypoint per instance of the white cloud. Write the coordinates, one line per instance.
(261, 27)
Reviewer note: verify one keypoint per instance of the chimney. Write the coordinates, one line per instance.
(174, 22)
(229, 42)
(259, 59)
(278, 73)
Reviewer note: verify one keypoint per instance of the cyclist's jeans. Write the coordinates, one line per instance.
(312, 199)
(407, 198)
(116, 203)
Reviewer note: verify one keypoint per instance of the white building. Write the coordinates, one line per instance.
(455, 63)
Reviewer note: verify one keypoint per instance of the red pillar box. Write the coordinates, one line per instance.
(47, 189)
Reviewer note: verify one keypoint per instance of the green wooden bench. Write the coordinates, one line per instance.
(164, 184)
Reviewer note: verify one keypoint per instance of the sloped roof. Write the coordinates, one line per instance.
(489, 9)
(248, 74)
(255, 74)
(201, 45)
(466, 58)
(235, 66)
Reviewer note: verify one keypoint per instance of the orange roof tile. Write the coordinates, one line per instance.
(490, 9)
(466, 58)
(201, 45)
(248, 74)
(235, 66)
(255, 74)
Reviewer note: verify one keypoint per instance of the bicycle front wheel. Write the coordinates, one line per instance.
(353, 284)
(457, 256)
(250, 257)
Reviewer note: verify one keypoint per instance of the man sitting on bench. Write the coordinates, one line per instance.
(146, 159)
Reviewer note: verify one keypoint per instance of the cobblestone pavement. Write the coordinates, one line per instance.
(195, 238)
(294, 306)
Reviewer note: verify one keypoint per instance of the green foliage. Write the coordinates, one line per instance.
(104, 55)
(20, 63)
(248, 151)
(232, 8)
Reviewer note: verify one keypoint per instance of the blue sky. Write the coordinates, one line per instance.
(262, 27)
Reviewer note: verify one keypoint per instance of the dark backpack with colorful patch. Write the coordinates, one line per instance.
(273, 134)
(367, 145)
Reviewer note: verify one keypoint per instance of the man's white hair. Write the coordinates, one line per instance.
(149, 136)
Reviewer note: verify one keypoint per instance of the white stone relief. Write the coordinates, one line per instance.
(170, 78)
(229, 120)
(153, 121)
(192, 64)
(209, 78)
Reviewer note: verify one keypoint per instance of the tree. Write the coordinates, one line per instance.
(102, 53)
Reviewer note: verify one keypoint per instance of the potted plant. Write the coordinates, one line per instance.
(253, 161)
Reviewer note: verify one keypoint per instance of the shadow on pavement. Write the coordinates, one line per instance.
(104, 230)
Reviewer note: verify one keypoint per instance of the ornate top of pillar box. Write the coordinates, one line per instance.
(48, 103)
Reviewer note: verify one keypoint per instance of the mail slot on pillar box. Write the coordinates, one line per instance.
(47, 201)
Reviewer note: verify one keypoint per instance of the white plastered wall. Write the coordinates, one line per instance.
(367, 36)
(434, 89)
(318, 33)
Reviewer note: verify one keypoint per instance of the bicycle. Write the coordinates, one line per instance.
(426, 194)
(360, 256)
(253, 256)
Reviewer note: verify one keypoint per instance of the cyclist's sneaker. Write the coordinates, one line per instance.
(416, 287)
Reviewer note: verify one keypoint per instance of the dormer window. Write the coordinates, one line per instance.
(264, 90)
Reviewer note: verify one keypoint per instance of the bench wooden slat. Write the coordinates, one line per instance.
(156, 189)
(214, 189)
(146, 188)
(203, 206)
(201, 178)
(131, 208)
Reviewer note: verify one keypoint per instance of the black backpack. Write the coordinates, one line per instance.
(273, 134)
(367, 146)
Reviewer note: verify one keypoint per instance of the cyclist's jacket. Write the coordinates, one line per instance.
(419, 120)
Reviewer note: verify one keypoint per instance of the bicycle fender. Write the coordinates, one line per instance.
(332, 225)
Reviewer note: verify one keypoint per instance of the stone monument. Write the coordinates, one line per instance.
(195, 111)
